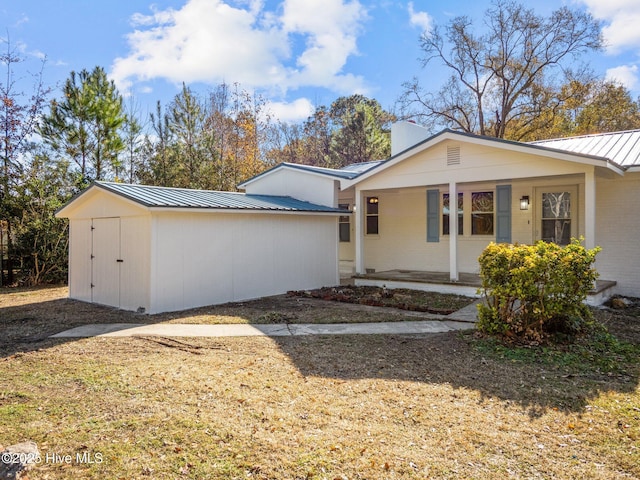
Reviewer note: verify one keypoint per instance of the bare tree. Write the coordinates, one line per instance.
(502, 77)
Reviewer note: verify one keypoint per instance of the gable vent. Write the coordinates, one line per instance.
(453, 155)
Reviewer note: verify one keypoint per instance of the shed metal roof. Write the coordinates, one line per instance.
(622, 148)
(165, 197)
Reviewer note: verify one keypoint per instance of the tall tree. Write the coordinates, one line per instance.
(159, 167)
(85, 124)
(353, 129)
(362, 131)
(607, 108)
(42, 240)
(500, 78)
(19, 113)
(186, 122)
(133, 144)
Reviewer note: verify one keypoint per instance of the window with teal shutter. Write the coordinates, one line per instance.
(433, 215)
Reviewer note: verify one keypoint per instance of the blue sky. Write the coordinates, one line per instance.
(296, 53)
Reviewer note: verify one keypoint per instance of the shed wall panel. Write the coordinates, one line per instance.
(208, 258)
(105, 269)
(135, 239)
(80, 259)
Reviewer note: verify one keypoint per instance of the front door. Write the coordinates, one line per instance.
(105, 264)
(556, 214)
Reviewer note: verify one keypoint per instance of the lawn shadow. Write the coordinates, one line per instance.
(450, 358)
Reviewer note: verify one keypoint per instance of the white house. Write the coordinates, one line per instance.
(384, 222)
(505, 191)
(156, 249)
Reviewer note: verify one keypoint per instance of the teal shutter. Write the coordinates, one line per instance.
(503, 214)
(433, 215)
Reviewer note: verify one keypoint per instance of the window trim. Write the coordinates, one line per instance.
(344, 220)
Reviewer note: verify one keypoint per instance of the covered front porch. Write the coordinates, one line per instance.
(467, 284)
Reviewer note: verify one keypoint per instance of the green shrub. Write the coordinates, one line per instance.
(532, 291)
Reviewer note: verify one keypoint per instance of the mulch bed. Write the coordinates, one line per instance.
(404, 299)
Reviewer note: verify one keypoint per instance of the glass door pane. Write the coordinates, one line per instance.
(556, 217)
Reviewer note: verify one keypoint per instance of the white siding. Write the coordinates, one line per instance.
(80, 259)
(478, 164)
(135, 270)
(307, 186)
(128, 280)
(402, 243)
(618, 231)
(206, 258)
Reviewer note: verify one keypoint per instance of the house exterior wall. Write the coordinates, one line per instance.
(206, 258)
(618, 231)
(402, 239)
(298, 184)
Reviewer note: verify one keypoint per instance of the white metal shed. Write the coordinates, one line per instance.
(157, 249)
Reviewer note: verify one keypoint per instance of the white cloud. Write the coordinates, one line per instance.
(621, 19)
(292, 112)
(217, 40)
(627, 75)
(421, 20)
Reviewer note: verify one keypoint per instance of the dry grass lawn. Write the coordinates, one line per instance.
(398, 407)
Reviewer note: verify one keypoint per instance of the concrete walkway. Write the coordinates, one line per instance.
(461, 320)
(246, 330)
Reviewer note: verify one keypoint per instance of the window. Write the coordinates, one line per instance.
(482, 213)
(445, 214)
(344, 224)
(556, 217)
(372, 215)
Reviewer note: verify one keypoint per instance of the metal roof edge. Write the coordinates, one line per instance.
(310, 206)
(328, 212)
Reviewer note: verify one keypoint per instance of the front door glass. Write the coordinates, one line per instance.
(556, 217)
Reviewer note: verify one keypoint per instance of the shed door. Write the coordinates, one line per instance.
(105, 261)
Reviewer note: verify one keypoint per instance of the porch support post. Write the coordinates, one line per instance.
(590, 208)
(453, 232)
(358, 214)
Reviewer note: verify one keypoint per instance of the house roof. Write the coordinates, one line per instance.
(165, 197)
(622, 148)
(586, 156)
(345, 173)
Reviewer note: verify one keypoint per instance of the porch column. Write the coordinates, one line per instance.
(590, 208)
(453, 232)
(358, 213)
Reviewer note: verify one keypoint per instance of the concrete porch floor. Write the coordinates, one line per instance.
(468, 283)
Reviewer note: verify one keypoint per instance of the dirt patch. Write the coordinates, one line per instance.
(403, 299)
